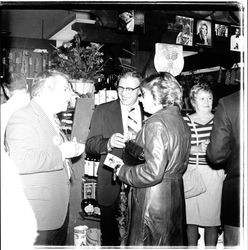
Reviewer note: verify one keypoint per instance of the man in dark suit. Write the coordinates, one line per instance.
(41, 152)
(224, 149)
(108, 133)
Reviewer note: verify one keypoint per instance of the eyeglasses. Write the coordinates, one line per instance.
(128, 90)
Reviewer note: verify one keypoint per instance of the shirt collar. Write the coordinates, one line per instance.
(135, 105)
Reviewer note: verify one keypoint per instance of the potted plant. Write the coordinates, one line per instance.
(83, 64)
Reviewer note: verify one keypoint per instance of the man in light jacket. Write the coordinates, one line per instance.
(41, 153)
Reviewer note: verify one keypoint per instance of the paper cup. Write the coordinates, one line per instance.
(93, 237)
(80, 235)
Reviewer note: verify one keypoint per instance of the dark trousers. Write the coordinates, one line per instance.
(56, 237)
(109, 225)
(231, 236)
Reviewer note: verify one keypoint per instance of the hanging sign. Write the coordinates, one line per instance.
(169, 58)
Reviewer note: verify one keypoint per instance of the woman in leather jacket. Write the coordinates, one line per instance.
(157, 196)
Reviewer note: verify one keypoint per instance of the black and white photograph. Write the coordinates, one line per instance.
(203, 33)
(236, 39)
(125, 120)
(126, 20)
(131, 21)
(221, 30)
(185, 36)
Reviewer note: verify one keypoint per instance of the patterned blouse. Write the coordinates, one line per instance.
(202, 132)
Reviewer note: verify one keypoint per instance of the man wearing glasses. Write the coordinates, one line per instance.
(109, 130)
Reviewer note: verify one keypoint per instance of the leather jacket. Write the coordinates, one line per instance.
(157, 203)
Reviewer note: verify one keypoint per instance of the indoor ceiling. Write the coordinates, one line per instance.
(44, 21)
(37, 22)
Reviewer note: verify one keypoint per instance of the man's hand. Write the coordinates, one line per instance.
(116, 141)
(72, 148)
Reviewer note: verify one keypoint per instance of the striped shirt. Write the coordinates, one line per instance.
(202, 132)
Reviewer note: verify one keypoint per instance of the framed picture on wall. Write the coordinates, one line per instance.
(203, 35)
(236, 39)
(185, 35)
(221, 30)
(131, 21)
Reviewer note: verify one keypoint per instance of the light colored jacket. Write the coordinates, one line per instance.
(31, 141)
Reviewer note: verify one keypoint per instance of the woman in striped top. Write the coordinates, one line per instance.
(203, 210)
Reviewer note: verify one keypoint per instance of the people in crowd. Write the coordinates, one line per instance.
(202, 36)
(109, 129)
(157, 202)
(224, 151)
(203, 210)
(41, 153)
(185, 37)
(16, 88)
(18, 222)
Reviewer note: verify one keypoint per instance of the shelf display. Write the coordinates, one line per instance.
(91, 167)
(27, 61)
(90, 207)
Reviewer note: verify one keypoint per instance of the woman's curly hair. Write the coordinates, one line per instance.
(165, 89)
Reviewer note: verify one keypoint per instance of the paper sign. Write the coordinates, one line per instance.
(112, 161)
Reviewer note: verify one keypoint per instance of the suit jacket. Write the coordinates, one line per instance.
(224, 149)
(31, 139)
(106, 120)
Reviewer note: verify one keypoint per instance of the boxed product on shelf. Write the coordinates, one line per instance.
(91, 167)
(89, 190)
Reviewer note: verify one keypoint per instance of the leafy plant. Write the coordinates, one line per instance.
(79, 62)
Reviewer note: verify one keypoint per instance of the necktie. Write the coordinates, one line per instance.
(132, 124)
